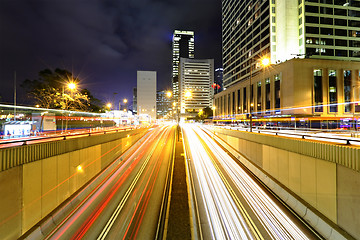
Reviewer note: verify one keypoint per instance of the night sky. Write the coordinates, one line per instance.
(103, 42)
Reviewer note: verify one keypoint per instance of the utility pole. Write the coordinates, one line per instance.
(14, 95)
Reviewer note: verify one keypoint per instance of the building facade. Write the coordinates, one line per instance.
(294, 34)
(182, 46)
(299, 88)
(196, 77)
(134, 104)
(218, 80)
(146, 93)
(163, 103)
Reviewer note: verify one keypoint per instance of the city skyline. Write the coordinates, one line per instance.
(102, 53)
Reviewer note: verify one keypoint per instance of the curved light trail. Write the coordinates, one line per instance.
(215, 169)
(119, 206)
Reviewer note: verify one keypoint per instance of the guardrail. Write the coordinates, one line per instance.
(61, 136)
(347, 141)
(21, 154)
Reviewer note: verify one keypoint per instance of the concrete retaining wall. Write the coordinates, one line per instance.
(325, 176)
(32, 190)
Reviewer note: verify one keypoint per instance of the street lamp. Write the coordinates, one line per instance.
(264, 62)
(72, 87)
(188, 94)
(168, 94)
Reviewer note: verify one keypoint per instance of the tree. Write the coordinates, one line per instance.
(51, 91)
(204, 114)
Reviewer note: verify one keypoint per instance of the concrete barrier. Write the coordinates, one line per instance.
(322, 179)
(35, 179)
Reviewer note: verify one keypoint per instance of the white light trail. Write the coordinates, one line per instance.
(224, 217)
(274, 220)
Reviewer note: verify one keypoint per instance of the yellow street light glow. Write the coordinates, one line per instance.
(71, 86)
(109, 105)
(188, 94)
(265, 62)
(168, 94)
(37, 105)
(213, 108)
(79, 168)
(125, 100)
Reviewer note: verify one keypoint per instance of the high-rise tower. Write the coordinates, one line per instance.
(182, 46)
(285, 29)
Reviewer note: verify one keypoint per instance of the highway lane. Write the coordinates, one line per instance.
(230, 203)
(127, 202)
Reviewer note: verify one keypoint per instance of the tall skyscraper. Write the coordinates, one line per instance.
(182, 46)
(134, 105)
(146, 93)
(163, 103)
(218, 80)
(196, 77)
(284, 29)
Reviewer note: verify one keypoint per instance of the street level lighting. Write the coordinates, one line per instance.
(125, 100)
(264, 62)
(188, 94)
(71, 86)
(168, 94)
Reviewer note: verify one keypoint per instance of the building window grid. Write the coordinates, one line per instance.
(347, 90)
(338, 16)
(333, 108)
(228, 66)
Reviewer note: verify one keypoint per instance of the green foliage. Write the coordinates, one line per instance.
(204, 114)
(51, 91)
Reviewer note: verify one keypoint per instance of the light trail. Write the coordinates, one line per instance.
(223, 215)
(217, 164)
(123, 170)
(118, 207)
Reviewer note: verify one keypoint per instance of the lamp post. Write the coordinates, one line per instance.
(71, 86)
(264, 62)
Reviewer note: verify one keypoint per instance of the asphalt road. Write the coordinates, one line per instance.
(230, 203)
(126, 205)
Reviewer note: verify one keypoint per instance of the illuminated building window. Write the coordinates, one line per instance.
(244, 100)
(332, 91)
(238, 100)
(267, 93)
(252, 97)
(318, 95)
(233, 102)
(228, 105)
(259, 96)
(347, 90)
(277, 91)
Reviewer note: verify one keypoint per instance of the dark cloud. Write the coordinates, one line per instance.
(102, 41)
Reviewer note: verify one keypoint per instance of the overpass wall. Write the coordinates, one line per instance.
(325, 176)
(35, 179)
